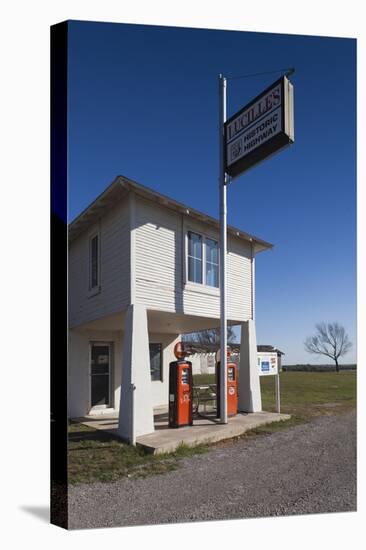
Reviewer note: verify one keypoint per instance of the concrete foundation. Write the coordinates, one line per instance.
(204, 430)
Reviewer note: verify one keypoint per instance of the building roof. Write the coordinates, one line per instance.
(123, 185)
(269, 348)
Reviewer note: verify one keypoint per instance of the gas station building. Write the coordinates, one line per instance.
(143, 269)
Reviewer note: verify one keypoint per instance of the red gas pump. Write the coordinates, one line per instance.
(180, 389)
(232, 390)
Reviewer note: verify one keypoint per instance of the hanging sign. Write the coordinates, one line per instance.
(261, 128)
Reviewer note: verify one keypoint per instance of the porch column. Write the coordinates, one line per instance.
(249, 391)
(136, 411)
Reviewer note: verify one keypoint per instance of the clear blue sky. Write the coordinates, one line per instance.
(143, 102)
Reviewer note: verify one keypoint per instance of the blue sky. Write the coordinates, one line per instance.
(143, 102)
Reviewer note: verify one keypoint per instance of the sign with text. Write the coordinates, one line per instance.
(261, 128)
(267, 363)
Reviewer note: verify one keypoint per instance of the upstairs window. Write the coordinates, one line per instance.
(94, 262)
(203, 260)
(194, 257)
(212, 263)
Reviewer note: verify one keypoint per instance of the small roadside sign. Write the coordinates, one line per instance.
(267, 364)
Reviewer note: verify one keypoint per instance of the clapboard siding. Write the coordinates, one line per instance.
(114, 230)
(239, 277)
(159, 265)
(158, 258)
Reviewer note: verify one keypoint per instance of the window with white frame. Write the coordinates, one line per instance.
(212, 262)
(202, 260)
(195, 253)
(94, 262)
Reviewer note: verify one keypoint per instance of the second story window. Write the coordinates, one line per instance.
(203, 260)
(94, 262)
(194, 257)
(212, 263)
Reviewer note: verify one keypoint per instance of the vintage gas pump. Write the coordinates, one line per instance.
(180, 389)
(232, 385)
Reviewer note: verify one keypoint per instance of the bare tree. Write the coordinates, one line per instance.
(210, 336)
(330, 340)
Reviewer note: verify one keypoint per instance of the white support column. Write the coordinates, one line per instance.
(249, 390)
(136, 415)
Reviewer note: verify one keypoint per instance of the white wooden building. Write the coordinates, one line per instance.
(143, 269)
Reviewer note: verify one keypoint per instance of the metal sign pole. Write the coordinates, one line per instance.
(223, 234)
(278, 398)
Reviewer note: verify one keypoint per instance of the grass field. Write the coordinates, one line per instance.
(304, 395)
(97, 456)
(309, 394)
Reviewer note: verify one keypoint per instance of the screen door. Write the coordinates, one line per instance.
(100, 375)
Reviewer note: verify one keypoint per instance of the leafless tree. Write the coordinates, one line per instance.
(210, 336)
(330, 340)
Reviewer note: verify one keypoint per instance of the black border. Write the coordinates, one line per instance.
(59, 423)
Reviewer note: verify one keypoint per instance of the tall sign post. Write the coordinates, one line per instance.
(261, 128)
(223, 235)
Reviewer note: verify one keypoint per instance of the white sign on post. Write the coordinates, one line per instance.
(261, 128)
(267, 364)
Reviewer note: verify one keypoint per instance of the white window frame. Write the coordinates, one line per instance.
(203, 258)
(191, 285)
(92, 291)
(205, 237)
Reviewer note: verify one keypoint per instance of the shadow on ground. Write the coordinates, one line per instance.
(40, 512)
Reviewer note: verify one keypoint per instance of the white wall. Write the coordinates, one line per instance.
(159, 267)
(160, 238)
(157, 256)
(79, 369)
(114, 268)
(78, 374)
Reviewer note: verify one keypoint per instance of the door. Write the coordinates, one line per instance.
(100, 371)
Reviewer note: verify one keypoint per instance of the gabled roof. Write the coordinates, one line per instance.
(123, 185)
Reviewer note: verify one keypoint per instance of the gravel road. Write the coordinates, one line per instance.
(305, 469)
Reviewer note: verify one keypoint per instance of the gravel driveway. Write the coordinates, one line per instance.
(306, 469)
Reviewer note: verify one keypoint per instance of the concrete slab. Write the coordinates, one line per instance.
(206, 428)
(108, 423)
